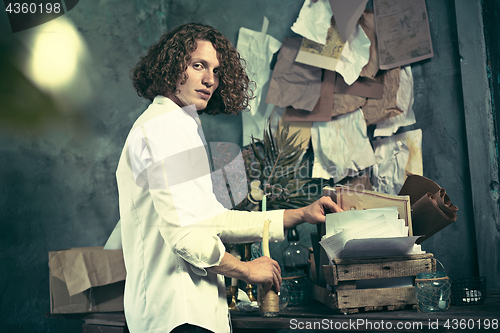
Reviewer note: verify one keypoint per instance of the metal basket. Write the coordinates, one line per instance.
(468, 291)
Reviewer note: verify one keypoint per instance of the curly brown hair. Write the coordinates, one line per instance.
(159, 70)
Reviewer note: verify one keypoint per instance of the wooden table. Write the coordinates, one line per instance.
(316, 316)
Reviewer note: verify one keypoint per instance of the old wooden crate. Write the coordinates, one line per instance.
(344, 274)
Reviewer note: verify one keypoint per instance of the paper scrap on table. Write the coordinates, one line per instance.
(395, 156)
(347, 58)
(341, 147)
(314, 20)
(347, 14)
(292, 83)
(403, 32)
(258, 52)
(404, 102)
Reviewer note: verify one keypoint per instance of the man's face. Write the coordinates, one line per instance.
(203, 76)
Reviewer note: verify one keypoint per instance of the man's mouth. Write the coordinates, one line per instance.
(204, 93)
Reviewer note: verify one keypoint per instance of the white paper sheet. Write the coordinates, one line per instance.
(375, 228)
(354, 56)
(378, 247)
(347, 58)
(314, 20)
(388, 173)
(341, 147)
(258, 52)
(337, 222)
(404, 102)
(395, 155)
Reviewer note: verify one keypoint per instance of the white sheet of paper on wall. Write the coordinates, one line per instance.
(341, 146)
(314, 20)
(258, 53)
(404, 100)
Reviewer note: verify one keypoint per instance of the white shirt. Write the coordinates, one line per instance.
(173, 226)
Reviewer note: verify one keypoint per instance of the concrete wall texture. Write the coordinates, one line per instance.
(58, 187)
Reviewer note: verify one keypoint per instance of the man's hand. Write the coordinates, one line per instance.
(262, 270)
(314, 213)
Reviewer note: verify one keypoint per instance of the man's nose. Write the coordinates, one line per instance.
(209, 79)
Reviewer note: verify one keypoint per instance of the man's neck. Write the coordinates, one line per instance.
(177, 101)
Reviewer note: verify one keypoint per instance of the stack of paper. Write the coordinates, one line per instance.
(367, 233)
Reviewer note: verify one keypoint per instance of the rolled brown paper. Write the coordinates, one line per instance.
(428, 218)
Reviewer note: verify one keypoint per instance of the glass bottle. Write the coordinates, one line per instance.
(295, 255)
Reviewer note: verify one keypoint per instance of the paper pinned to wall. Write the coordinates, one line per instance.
(377, 110)
(389, 170)
(347, 14)
(347, 58)
(314, 20)
(404, 102)
(292, 83)
(403, 34)
(258, 52)
(395, 156)
(341, 147)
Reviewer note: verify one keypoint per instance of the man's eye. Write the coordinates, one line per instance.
(216, 72)
(198, 66)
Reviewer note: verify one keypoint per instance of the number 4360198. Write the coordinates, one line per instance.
(33, 8)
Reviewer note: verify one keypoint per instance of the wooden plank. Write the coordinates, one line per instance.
(382, 270)
(375, 297)
(482, 141)
(346, 285)
(382, 259)
(87, 328)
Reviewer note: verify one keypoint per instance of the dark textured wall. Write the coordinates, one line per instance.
(58, 188)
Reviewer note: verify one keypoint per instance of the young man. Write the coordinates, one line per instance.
(172, 224)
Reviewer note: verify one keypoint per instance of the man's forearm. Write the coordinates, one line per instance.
(293, 217)
(262, 270)
(231, 267)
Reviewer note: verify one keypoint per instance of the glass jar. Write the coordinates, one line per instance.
(433, 291)
(298, 287)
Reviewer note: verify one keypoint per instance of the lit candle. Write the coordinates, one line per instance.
(264, 203)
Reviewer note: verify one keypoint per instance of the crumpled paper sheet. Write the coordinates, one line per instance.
(346, 14)
(344, 103)
(341, 147)
(389, 170)
(314, 20)
(367, 22)
(258, 52)
(292, 83)
(354, 56)
(395, 156)
(404, 102)
(377, 110)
